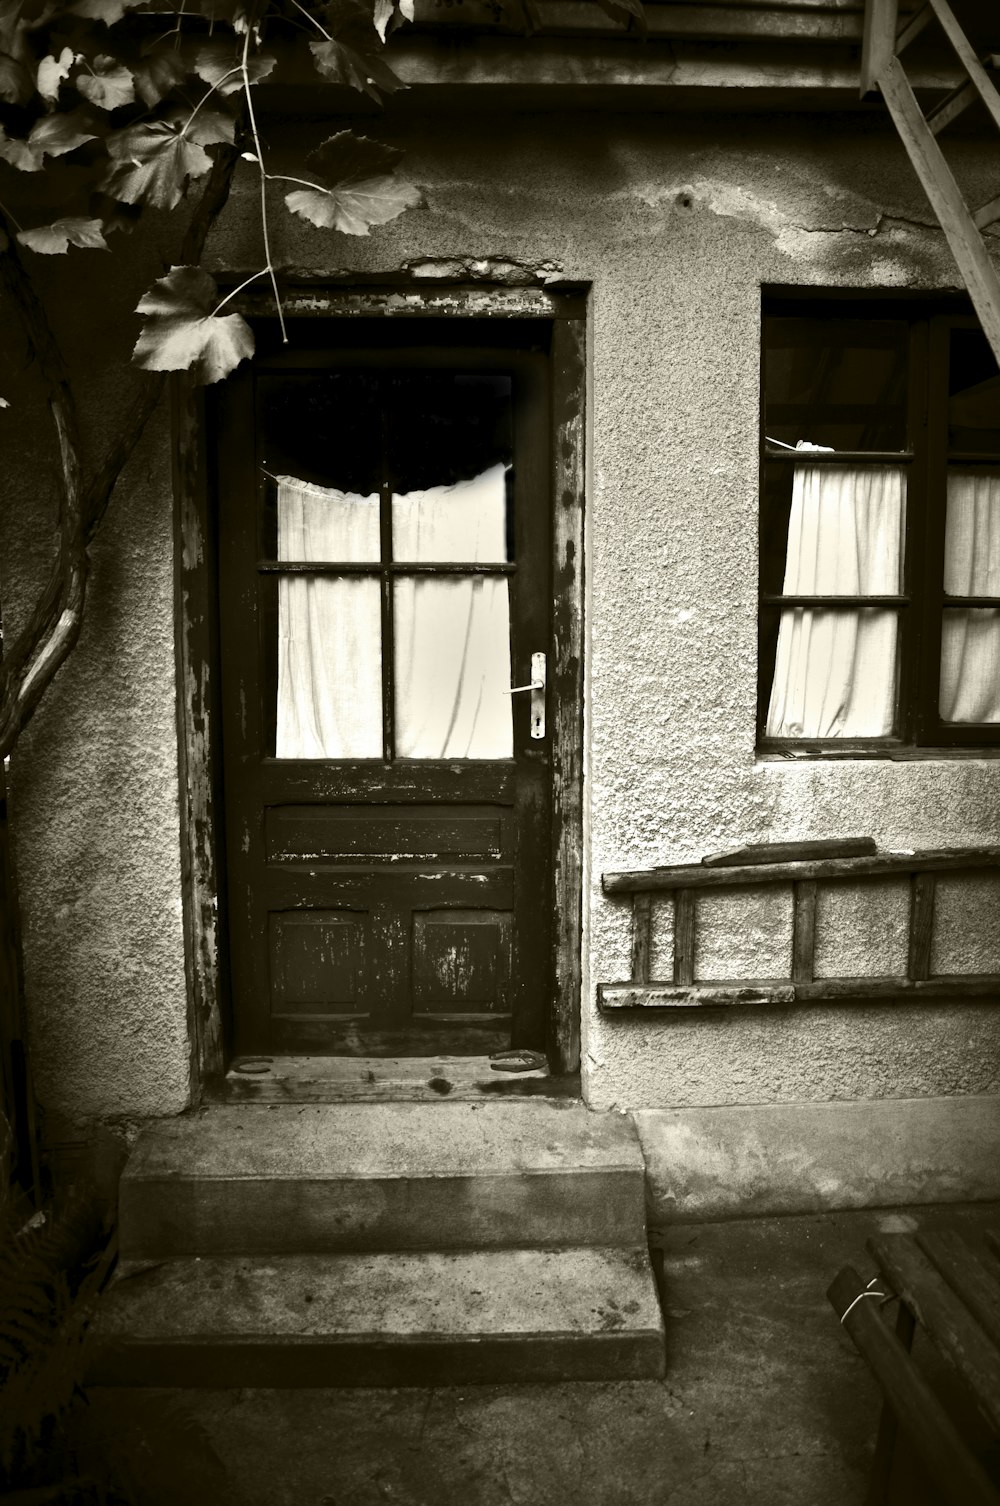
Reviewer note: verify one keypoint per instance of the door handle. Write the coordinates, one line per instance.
(536, 686)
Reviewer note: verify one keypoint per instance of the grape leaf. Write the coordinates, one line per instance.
(108, 85)
(53, 239)
(151, 163)
(213, 61)
(15, 80)
(623, 10)
(351, 54)
(183, 333)
(362, 70)
(391, 13)
(358, 188)
(206, 127)
(55, 135)
(20, 154)
(162, 68)
(108, 11)
(53, 71)
(384, 12)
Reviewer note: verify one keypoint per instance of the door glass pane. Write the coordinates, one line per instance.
(329, 667)
(324, 523)
(447, 426)
(463, 522)
(453, 667)
(970, 665)
(329, 628)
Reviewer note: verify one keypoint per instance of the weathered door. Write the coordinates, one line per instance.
(385, 580)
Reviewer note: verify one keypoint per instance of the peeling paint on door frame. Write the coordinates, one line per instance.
(196, 639)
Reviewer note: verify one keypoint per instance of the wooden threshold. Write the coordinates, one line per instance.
(359, 1079)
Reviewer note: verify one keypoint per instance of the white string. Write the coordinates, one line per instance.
(866, 1293)
(780, 443)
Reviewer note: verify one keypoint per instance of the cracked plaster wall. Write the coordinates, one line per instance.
(675, 222)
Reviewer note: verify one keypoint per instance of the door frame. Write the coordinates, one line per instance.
(197, 651)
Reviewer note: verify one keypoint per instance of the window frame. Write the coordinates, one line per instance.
(919, 731)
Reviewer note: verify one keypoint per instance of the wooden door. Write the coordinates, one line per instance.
(385, 579)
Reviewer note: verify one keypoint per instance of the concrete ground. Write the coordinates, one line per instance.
(766, 1401)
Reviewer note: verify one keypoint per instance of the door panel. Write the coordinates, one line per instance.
(385, 576)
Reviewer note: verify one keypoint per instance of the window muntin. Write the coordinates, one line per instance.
(880, 551)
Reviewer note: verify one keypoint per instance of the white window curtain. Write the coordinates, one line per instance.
(835, 670)
(453, 633)
(329, 627)
(970, 639)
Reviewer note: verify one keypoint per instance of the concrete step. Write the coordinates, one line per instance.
(433, 1318)
(310, 1179)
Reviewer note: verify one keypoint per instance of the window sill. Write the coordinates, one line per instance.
(895, 754)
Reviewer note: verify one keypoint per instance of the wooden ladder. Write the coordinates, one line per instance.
(881, 69)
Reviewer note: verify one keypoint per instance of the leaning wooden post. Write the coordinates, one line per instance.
(879, 41)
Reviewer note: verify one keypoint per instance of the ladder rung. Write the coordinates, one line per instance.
(953, 104)
(987, 213)
(913, 27)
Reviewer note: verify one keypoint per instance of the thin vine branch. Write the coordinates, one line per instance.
(42, 648)
(269, 268)
(31, 662)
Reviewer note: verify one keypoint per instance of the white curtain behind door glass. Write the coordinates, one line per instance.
(453, 632)
(970, 640)
(329, 627)
(835, 670)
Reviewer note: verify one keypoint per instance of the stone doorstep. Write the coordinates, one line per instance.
(298, 1179)
(431, 1318)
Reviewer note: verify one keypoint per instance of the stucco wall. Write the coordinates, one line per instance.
(94, 776)
(675, 222)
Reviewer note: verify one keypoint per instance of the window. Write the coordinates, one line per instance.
(880, 529)
(388, 541)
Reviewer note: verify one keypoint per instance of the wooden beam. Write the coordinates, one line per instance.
(967, 247)
(878, 40)
(913, 27)
(967, 56)
(693, 876)
(952, 106)
(790, 852)
(986, 213)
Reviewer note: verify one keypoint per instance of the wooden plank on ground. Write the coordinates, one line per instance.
(945, 1318)
(973, 1282)
(959, 1478)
